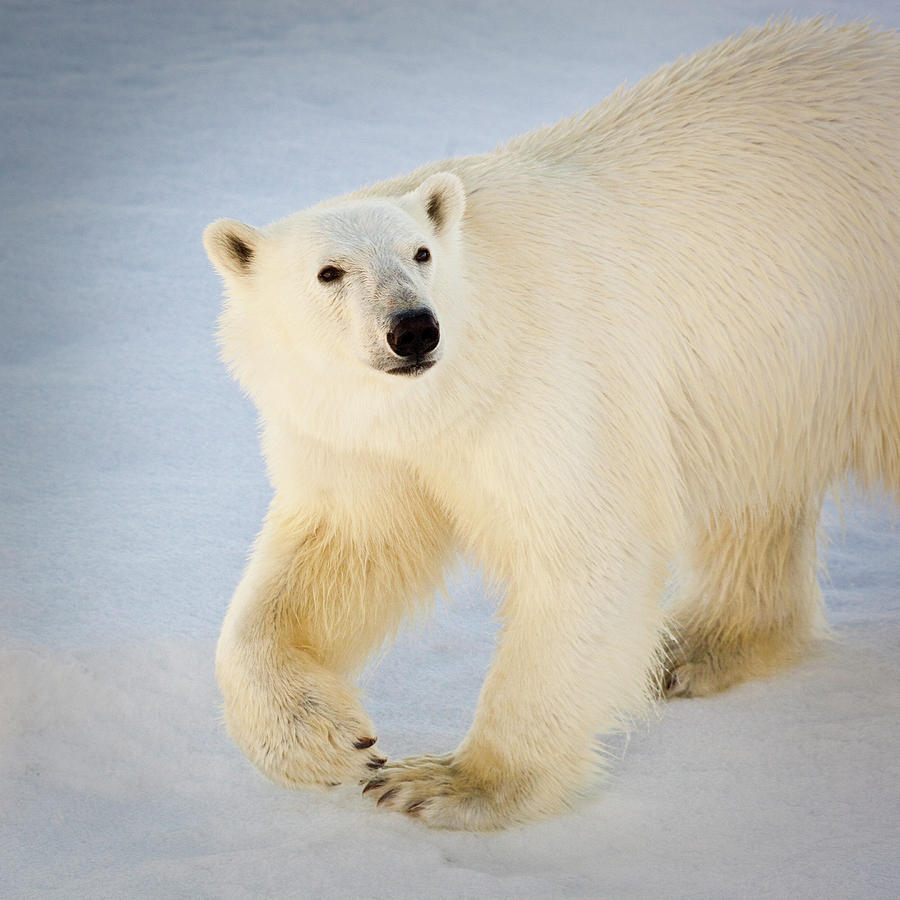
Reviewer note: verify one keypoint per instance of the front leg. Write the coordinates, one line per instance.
(577, 657)
(317, 598)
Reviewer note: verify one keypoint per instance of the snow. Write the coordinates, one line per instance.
(132, 485)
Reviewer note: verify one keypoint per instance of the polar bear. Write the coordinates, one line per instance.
(647, 339)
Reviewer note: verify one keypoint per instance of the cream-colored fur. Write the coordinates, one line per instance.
(668, 327)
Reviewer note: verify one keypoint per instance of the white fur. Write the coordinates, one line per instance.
(668, 327)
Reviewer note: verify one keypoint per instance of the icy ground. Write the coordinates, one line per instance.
(132, 486)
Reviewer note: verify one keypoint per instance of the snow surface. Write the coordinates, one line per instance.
(132, 484)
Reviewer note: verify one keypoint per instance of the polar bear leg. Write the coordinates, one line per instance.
(752, 602)
(575, 659)
(316, 600)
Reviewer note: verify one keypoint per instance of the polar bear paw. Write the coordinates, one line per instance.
(696, 672)
(442, 792)
(307, 749)
(301, 727)
(688, 680)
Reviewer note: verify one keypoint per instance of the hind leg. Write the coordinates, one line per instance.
(751, 601)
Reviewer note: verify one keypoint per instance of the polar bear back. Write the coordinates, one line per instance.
(717, 247)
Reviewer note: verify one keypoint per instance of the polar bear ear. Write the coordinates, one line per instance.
(231, 246)
(444, 199)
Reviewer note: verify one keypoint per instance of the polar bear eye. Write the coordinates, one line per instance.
(330, 273)
(423, 254)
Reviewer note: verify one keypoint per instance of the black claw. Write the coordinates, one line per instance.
(374, 783)
(376, 763)
(386, 796)
(364, 743)
(415, 809)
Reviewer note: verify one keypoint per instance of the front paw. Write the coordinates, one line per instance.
(445, 792)
(301, 726)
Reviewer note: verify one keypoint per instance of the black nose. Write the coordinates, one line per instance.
(413, 333)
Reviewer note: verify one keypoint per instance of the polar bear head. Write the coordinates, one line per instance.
(365, 288)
